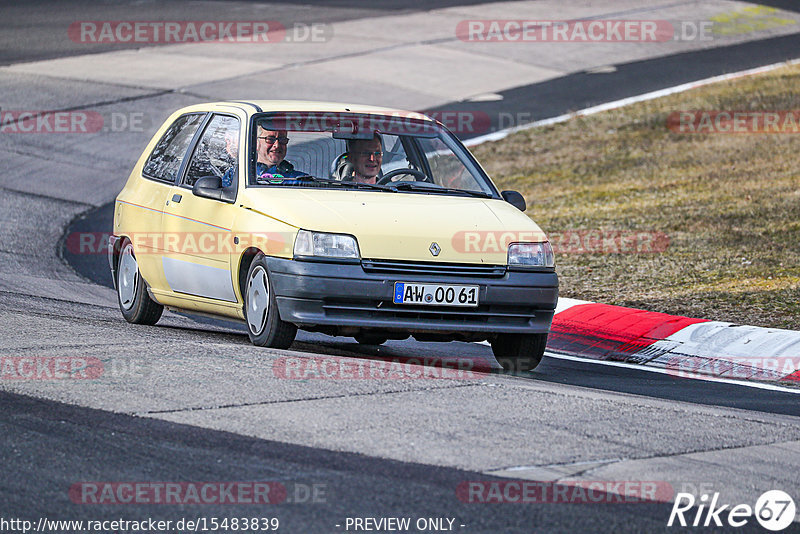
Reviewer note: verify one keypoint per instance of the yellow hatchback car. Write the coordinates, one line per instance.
(348, 220)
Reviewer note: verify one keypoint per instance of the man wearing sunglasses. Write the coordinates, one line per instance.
(271, 148)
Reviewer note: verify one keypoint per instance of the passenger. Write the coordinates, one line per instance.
(363, 161)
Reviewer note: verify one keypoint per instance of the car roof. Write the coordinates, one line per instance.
(314, 106)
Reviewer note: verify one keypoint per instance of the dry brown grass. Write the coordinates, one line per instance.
(730, 203)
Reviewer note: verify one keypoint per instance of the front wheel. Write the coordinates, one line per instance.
(135, 304)
(519, 352)
(264, 325)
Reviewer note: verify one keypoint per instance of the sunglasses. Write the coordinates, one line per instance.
(365, 154)
(270, 140)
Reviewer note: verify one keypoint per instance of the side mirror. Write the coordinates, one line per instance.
(515, 199)
(211, 187)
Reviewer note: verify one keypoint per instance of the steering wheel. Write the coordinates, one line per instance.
(417, 174)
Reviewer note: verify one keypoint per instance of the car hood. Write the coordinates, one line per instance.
(403, 226)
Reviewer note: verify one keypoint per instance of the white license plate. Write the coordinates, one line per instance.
(435, 294)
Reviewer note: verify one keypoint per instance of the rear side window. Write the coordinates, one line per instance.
(217, 152)
(165, 160)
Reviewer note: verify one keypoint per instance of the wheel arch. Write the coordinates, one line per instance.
(245, 260)
(114, 251)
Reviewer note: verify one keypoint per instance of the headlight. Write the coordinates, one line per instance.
(531, 255)
(325, 245)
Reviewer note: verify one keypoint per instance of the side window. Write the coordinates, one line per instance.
(446, 169)
(217, 153)
(165, 160)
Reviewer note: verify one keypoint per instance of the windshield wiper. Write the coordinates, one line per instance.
(433, 188)
(343, 183)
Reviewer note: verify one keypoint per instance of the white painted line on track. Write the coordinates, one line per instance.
(707, 378)
(501, 134)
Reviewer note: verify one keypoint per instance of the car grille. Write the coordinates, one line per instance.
(432, 268)
(506, 315)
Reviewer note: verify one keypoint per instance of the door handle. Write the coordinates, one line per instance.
(176, 198)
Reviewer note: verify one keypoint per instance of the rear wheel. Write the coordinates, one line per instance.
(519, 352)
(264, 325)
(135, 304)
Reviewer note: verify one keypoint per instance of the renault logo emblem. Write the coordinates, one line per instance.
(435, 248)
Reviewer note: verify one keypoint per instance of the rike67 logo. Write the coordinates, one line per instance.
(774, 510)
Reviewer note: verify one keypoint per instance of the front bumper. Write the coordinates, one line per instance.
(360, 295)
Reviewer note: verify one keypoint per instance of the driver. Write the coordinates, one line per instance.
(366, 156)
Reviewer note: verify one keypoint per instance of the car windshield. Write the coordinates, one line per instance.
(389, 153)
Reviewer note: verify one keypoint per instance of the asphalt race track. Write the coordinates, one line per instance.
(586, 374)
(191, 401)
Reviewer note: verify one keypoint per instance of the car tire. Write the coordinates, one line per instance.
(264, 325)
(370, 339)
(519, 352)
(134, 302)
